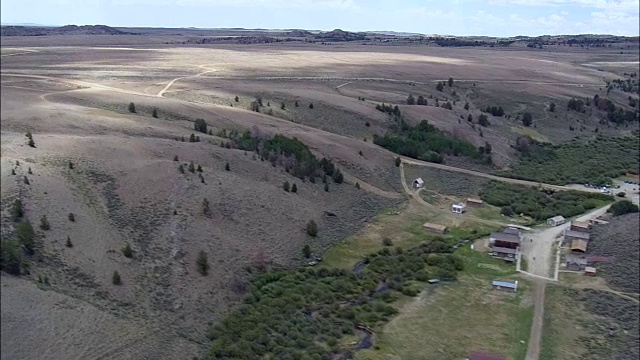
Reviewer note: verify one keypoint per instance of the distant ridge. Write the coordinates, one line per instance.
(13, 30)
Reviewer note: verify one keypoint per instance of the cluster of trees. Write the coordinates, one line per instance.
(291, 153)
(483, 120)
(540, 204)
(420, 101)
(200, 125)
(23, 241)
(576, 105)
(628, 85)
(494, 110)
(593, 162)
(527, 119)
(426, 142)
(623, 207)
(305, 313)
(391, 110)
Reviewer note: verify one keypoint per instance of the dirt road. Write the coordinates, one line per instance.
(537, 249)
(492, 177)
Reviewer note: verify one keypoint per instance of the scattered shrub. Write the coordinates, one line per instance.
(25, 179)
(175, 158)
(310, 105)
(357, 185)
(72, 217)
(132, 107)
(227, 167)
(69, 243)
(205, 206)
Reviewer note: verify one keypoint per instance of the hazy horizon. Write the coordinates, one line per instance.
(498, 18)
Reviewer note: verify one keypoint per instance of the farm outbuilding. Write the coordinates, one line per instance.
(590, 271)
(556, 220)
(418, 183)
(580, 226)
(570, 235)
(458, 208)
(434, 228)
(507, 285)
(505, 239)
(485, 356)
(475, 202)
(578, 245)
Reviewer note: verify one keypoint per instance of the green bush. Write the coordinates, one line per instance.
(312, 228)
(623, 207)
(127, 251)
(425, 142)
(576, 162)
(10, 257)
(540, 204)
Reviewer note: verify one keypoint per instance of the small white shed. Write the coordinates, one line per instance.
(556, 220)
(458, 208)
(418, 183)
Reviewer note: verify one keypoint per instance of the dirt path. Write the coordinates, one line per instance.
(159, 94)
(492, 177)
(538, 250)
(533, 351)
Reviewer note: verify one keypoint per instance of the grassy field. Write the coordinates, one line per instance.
(531, 132)
(494, 321)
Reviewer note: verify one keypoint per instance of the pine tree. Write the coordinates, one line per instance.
(175, 158)
(285, 186)
(306, 251)
(450, 82)
(68, 243)
(31, 143)
(192, 167)
(205, 207)
(199, 169)
(44, 223)
(127, 251)
(282, 106)
(25, 179)
(326, 187)
(70, 165)
(155, 113)
(411, 100)
(72, 217)
(294, 188)
(398, 161)
(466, 106)
(311, 106)
(115, 279)
(13, 171)
(29, 171)
(296, 104)
(358, 185)
(181, 168)
(132, 107)
(312, 228)
(227, 167)
(202, 263)
(237, 99)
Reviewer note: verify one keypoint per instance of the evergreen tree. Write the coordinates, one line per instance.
(439, 86)
(175, 158)
(227, 167)
(306, 251)
(115, 279)
(312, 228)
(192, 167)
(127, 251)
(205, 207)
(282, 106)
(17, 212)
(466, 106)
(285, 186)
(155, 113)
(132, 107)
(237, 99)
(44, 223)
(68, 243)
(358, 185)
(72, 217)
(450, 82)
(181, 168)
(411, 100)
(296, 104)
(199, 169)
(202, 263)
(398, 161)
(294, 188)
(311, 106)
(527, 119)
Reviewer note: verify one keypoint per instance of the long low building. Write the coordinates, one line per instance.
(570, 235)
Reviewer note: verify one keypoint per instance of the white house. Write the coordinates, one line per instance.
(418, 183)
(457, 208)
